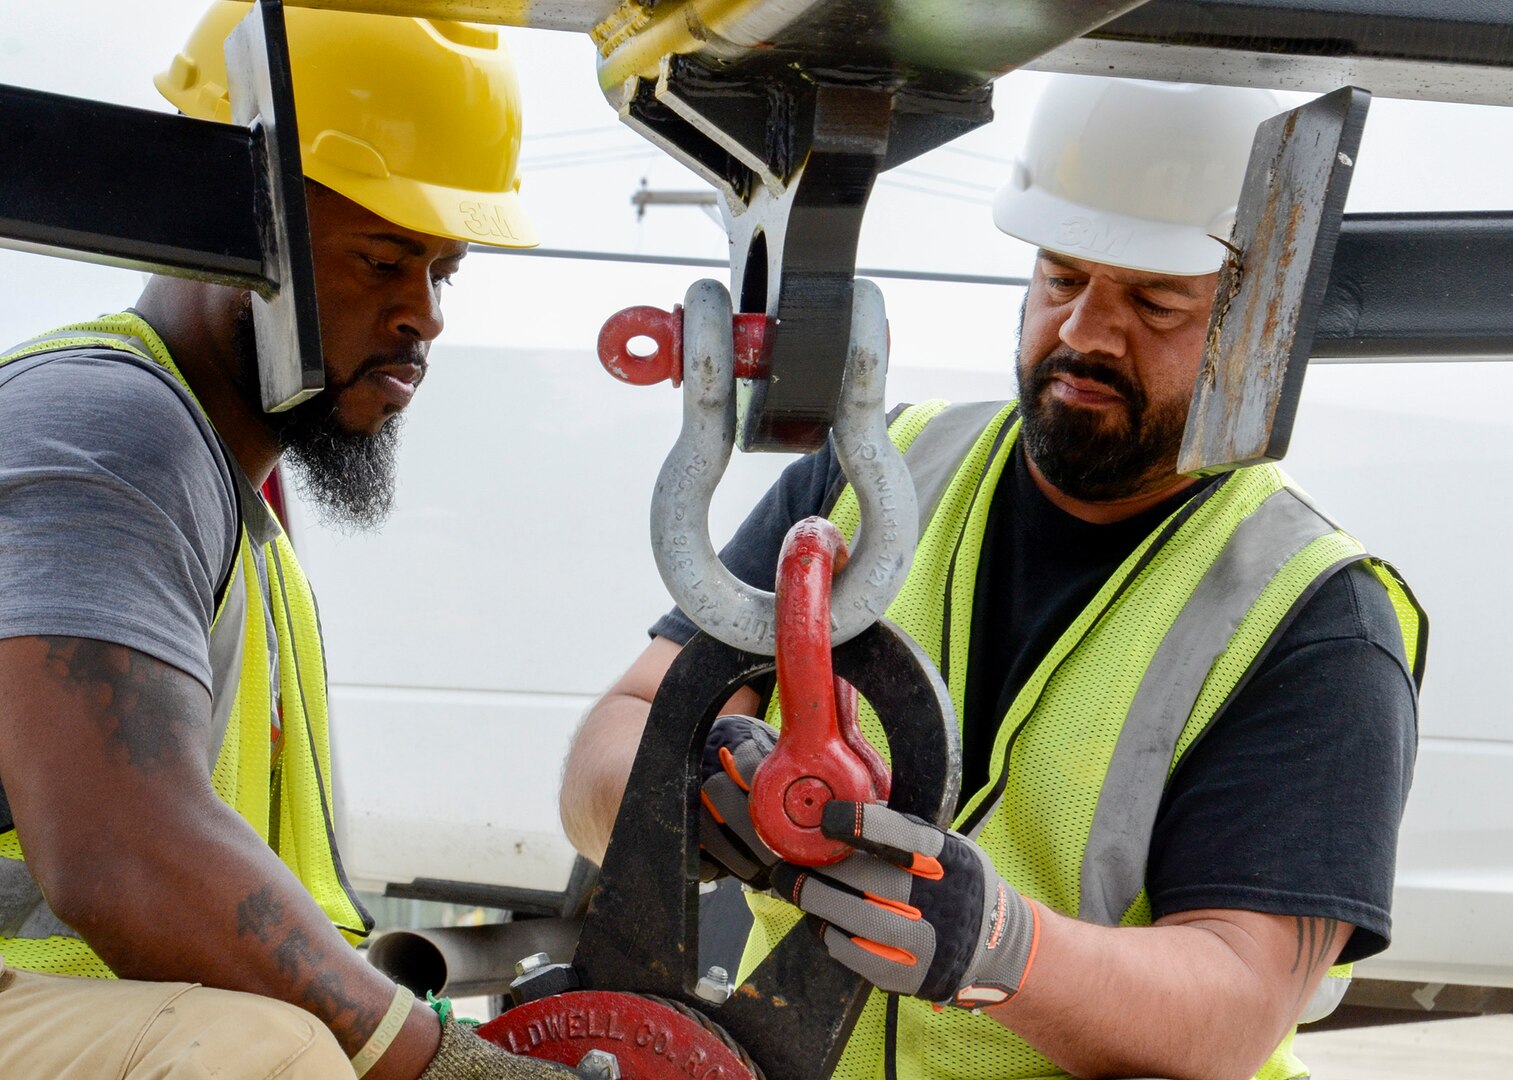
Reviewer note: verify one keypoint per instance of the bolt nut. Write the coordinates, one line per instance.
(531, 963)
(599, 1065)
(715, 986)
(540, 979)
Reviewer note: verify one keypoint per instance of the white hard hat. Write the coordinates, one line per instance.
(1136, 174)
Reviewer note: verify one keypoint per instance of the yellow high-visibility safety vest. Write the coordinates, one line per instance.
(290, 805)
(1116, 703)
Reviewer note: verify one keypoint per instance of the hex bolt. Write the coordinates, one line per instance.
(599, 1065)
(531, 963)
(715, 986)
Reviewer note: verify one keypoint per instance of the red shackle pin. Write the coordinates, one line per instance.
(821, 753)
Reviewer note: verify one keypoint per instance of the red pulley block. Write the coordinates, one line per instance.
(651, 1038)
(821, 753)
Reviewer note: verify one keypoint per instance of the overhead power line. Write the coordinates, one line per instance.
(689, 260)
(571, 133)
(939, 179)
(904, 185)
(978, 154)
(577, 158)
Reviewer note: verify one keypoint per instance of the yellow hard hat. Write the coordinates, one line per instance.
(416, 119)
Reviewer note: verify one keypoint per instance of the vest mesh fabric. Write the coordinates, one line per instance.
(1079, 698)
(303, 834)
(306, 841)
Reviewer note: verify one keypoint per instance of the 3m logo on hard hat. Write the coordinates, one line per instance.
(486, 219)
(1095, 237)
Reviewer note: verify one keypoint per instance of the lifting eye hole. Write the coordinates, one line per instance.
(641, 347)
(754, 281)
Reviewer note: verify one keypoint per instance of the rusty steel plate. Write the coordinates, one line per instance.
(1272, 285)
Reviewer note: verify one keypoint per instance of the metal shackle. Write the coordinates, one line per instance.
(710, 595)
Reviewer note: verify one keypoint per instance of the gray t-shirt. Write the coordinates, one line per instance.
(117, 507)
(118, 522)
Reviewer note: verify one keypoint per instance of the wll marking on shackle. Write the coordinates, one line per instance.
(710, 595)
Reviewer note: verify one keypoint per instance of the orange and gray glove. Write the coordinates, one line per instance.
(915, 910)
(728, 840)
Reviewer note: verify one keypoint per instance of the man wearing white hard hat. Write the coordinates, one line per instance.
(1166, 685)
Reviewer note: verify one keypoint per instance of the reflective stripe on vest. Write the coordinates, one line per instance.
(1113, 866)
(1116, 703)
(290, 808)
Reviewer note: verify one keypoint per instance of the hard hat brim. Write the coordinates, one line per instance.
(492, 218)
(1037, 217)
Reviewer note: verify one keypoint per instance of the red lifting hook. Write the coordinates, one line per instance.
(821, 753)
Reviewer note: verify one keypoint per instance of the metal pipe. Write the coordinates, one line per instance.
(468, 960)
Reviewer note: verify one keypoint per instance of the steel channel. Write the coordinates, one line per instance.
(60, 196)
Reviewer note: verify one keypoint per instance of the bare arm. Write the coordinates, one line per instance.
(104, 753)
(1202, 994)
(603, 750)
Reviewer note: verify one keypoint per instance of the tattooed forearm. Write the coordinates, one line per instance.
(323, 991)
(259, 913)
(138, 699)
(302, 963)
(297, 953)
(327, 996)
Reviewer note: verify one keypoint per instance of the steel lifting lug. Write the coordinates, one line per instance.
(821, 753)
(704, 356)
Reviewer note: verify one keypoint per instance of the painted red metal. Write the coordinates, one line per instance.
(273, 495)
(651, 1040)
(665, 329)
(821, 753)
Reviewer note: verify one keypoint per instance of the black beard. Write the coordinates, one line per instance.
(1082, 453)
(348, 476)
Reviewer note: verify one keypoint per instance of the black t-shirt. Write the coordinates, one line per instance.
(1288, 804)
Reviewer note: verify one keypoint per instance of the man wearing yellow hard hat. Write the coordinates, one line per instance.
(172, 902)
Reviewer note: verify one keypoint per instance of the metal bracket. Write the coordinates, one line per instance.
(795, 160)
(1272, 285)
(284, 316)
(242, 222)
(793, 1014)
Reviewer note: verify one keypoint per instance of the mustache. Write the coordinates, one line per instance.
(1065, 361)
(413, 355)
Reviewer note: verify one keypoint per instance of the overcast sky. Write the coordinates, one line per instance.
(581, 168)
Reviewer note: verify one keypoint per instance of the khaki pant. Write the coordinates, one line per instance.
(53, 1027)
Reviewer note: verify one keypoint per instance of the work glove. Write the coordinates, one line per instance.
(727, 839)
(915, 910)
(465, 1055)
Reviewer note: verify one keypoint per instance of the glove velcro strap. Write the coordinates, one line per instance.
(1011, 937)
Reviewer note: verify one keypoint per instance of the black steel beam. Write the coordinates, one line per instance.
(128, 187)
(1450, 50)
(1419, 285)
